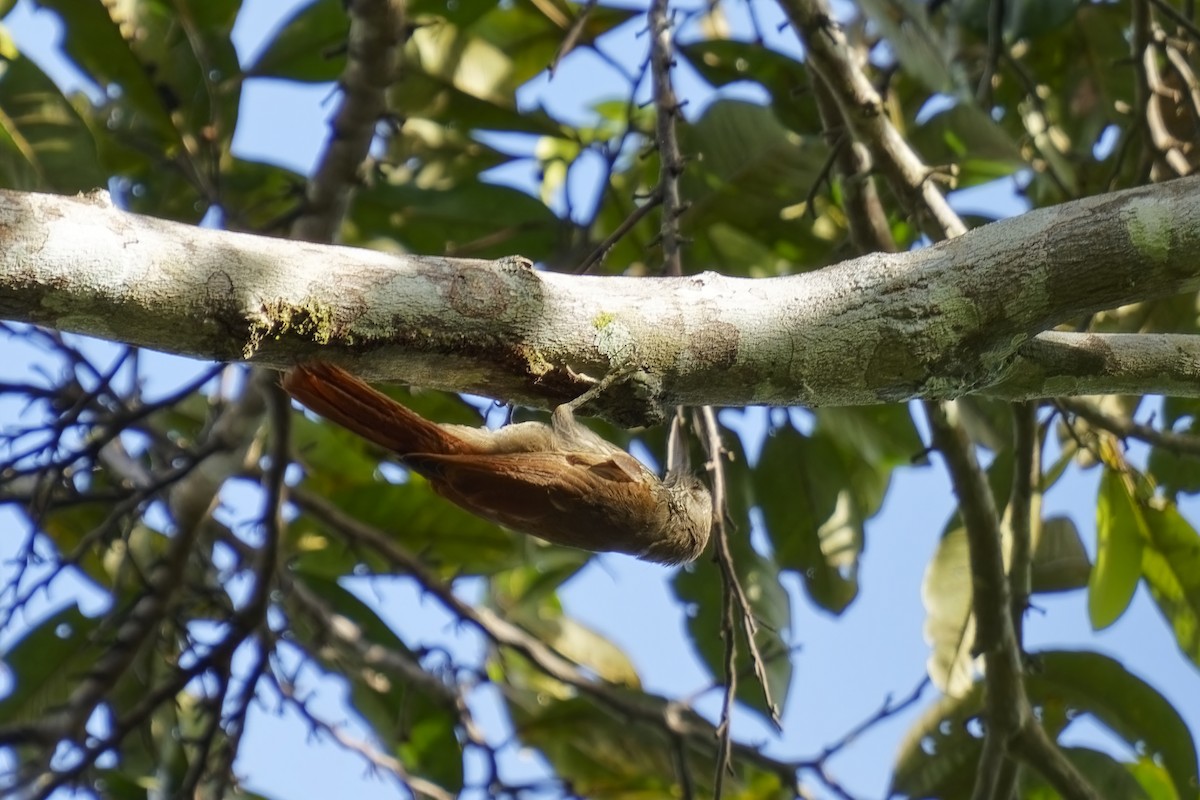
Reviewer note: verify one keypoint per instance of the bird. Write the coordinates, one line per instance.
(561, 482)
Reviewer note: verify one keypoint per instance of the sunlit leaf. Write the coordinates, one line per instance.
(722, 62)
(1122, 702)
(1060, 562)
(479, 220)
(603, 755)
(1171, 567)
(1176, 472)
(1120, 533)
(525, 596)
(946, 593)
(752, 175)
(1110, 778)
(964, 135)
(44, 143)
(98, 47)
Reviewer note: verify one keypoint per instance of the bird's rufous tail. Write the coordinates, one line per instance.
(340, 397)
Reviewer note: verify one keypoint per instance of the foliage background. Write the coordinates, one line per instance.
(847, 664)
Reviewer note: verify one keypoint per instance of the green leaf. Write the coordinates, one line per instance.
(529, 34)
(1176, 472)
(1111, 778)
(940, 752)
(964, 135)
(173, 87)
(44, 144)
(525, 596)
(99, 47)
(47, 664)
(433, 156)
(919, 47)
(1154, 780)
(463, 12)
(335, 458)
(1023, 19)
(447, 537)
(473, 219)
(725, 61)
(1128, 706)
(883, 435)
(598, 755)
(946, 593)
(803, 487)
(1176, 408)
(701, 584)
(310, 47)
(438, 97)
(750, 177)
(939, 755)
(1171, 567)
(1060, 562)
(619, 757)
(989, 423)
(259, 197)
(1120, 534)
(176, 69)
(1081, 95)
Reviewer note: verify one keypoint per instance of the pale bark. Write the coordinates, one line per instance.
(940, 322)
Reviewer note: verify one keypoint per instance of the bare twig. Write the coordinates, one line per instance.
(1183, 444)
(372, 755)
(503, 633)
(189, 503)
(670, 157)
(572, 35)
(598, 255)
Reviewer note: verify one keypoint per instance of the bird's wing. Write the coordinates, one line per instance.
(549, 493)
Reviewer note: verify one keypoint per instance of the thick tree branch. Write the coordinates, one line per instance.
(938, 322)
(1058, 363)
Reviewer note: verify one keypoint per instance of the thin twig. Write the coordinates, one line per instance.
(572, 36)
(636, 216)
(372, 755)
(1183, 444)
(670, 157)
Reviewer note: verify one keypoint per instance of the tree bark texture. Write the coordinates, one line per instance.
(958, 317)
